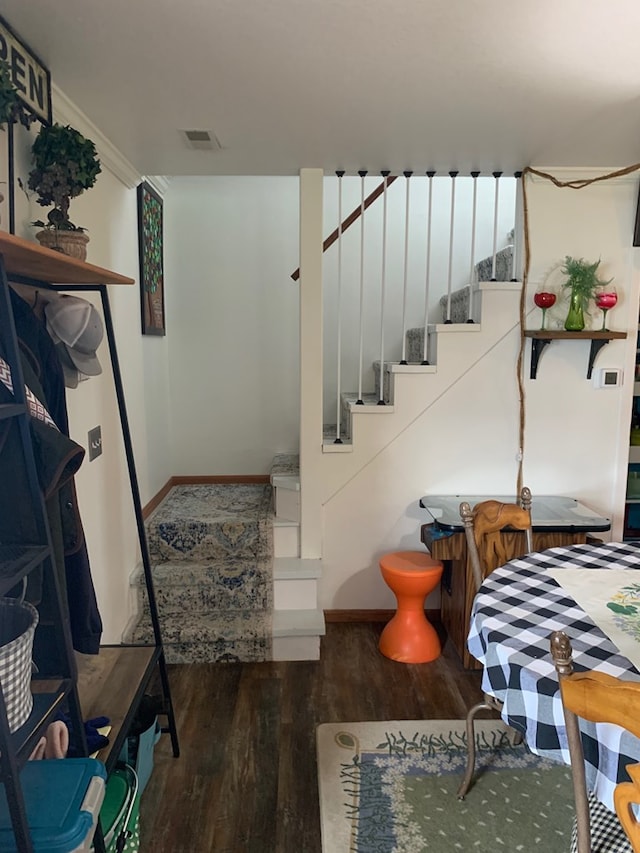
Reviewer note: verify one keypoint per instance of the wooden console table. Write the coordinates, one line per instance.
(556, 521)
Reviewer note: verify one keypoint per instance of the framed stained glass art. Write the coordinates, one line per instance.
(150, 243)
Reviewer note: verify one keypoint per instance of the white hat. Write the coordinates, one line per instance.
(76, 323)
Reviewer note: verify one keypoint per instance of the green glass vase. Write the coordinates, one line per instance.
(575, 317)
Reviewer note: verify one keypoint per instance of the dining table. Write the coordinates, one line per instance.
(513, 614)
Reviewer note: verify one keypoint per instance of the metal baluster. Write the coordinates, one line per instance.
(403, 360)
(515, 259)
(474, 175)
(496, 175)
(452, 175)
(363, 174)
(337, 439)
(427, 277)
(385, 175)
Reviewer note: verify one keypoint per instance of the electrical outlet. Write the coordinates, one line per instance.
(95, 443)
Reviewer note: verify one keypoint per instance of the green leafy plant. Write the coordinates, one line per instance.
(8, 94)
(582, 278)
(65, 164)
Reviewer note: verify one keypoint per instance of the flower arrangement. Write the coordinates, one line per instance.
(583, 282)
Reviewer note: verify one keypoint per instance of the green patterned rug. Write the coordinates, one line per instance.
(391, 787)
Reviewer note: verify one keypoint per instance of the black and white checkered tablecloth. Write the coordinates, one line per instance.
(516, 609)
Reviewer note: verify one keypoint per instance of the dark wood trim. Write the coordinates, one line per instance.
(370, 615)
(147, 509)
(220, 479)
(353, 217)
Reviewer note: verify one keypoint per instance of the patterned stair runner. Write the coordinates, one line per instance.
(211, 549)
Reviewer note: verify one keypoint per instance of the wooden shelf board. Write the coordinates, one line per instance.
(30, 260)
(561, 335)
(110, 684)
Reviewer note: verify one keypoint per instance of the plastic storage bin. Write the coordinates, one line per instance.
(63, 798)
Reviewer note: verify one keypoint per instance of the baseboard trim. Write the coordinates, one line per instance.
(370, 615)
(212, 479)
(221, 479)
(155, 501)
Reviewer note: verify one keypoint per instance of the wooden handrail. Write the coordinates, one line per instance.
(331, 239)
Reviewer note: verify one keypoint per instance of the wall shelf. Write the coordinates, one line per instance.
(541, 338)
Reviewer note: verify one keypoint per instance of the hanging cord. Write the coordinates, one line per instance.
(573, 185)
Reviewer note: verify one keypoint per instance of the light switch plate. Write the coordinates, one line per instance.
(95, 443)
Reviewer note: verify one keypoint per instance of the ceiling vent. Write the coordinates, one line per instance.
(203, 140)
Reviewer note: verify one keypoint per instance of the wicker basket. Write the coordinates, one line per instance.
(71, 243)
(18, 622)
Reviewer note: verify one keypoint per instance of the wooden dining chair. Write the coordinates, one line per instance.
(599, 698)
(491, 542)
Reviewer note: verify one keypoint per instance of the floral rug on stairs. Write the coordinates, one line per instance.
(211, 550)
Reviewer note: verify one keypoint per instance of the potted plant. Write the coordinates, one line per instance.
(65, 164)
(582, 282)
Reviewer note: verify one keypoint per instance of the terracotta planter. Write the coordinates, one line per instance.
(71, 243)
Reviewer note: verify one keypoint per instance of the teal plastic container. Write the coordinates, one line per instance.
(63, 798)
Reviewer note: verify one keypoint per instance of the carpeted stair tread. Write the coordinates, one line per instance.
(231, 625)
(220, 650)
(197, 587)
(212, 522)
(285, 464)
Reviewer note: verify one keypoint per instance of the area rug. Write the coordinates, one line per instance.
(391, 787)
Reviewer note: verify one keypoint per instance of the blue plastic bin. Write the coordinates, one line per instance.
(63, 798)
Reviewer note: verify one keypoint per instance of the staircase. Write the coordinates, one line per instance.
(230, 581)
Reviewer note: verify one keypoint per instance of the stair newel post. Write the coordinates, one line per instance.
(385, 175)
(453, 176)
(515, 256)
(474, 213)
(403, 359)
(360, 401)
(496, 204)
(338, 440)
(427, 278)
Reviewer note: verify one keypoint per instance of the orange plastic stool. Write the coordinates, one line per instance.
(409, 637)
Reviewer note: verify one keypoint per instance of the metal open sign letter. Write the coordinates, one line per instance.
(31, 79)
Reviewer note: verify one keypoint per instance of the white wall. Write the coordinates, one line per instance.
(232, 308)
(467, 440)
(109, 212)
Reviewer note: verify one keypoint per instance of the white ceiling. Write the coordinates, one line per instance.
(351, 84)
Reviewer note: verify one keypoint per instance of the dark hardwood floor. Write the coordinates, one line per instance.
(246, 781)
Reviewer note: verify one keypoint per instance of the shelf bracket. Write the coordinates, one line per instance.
(537, 346)
(596, 346)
